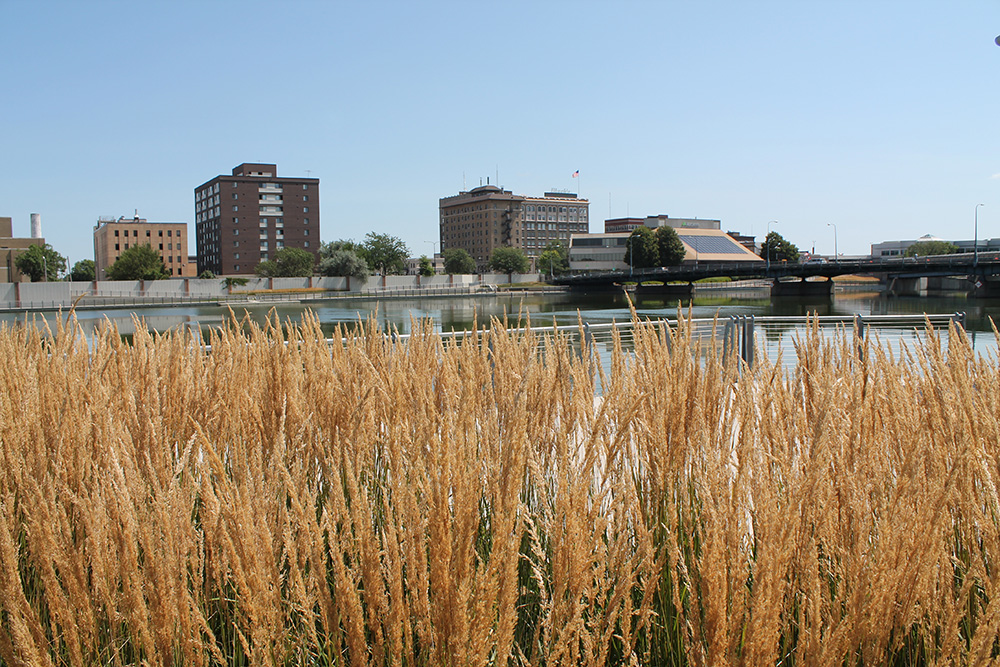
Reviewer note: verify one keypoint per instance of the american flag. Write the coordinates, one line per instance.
(576, 174)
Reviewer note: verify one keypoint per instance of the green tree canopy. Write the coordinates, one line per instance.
(385, 253)
(140, 262)
(426, 266)
(671, 248)
(206, 275)
(509, 260)
(641, 249)
(287, 263)
(458, 261)
(294, 263)
(343, 262)
(266, 269)
(554, 259)
(40, 262)
(778, 249)
(83, 271)
(924, 248)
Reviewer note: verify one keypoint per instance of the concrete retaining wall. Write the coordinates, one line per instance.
(179, 290)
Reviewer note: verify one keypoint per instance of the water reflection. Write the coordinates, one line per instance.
(460, 313)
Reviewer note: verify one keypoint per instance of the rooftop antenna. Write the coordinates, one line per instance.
(498, 175)
(463, 181)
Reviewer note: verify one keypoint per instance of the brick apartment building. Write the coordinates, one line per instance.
(243, 219)
(113, 237)
(489, 217)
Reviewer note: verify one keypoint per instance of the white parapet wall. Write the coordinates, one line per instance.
(109, 293)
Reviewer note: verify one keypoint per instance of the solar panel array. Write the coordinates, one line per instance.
(716, 245)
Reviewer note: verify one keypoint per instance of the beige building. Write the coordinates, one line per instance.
(488, 217)
(113, 237)
(607, 252)
(10, 248)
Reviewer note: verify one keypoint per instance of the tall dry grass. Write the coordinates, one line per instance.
(428, 503)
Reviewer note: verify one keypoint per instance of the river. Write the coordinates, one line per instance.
(459, 313)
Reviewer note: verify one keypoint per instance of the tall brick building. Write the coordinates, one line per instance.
(243, 219)
(488, 217)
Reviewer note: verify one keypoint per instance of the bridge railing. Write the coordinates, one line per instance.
(737, 336)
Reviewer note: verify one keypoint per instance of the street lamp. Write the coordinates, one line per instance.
(975, 242)
(836, 255)
(773, 222)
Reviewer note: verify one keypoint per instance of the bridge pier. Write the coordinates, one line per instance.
(682, 290)
(802, 288)
(983, 287)
(933, 285)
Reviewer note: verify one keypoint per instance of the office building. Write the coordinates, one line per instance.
(113, 236)
(243, 219)
(607, 252)
(489, 217)
(10, 248)
(618, 225)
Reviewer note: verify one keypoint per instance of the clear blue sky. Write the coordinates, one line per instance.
(882, 117)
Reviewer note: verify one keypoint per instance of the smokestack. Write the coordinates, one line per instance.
(36, 226)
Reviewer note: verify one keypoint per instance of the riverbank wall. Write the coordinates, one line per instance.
(121, 293)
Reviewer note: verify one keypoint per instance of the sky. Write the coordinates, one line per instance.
(846, 122)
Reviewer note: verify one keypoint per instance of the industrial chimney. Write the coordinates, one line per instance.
(36, 225)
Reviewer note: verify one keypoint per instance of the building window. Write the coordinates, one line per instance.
(235, 207)
(235, 196)
(161, 233)
(305, 221)
(305, 232)
(236, 232)
(147, 232)
(161, 246)
(305, 197)
(236, 256)
(304, 186)
(178, 259)
(305, 244)
(305, 209)
(135, 232)
(116, 232)
(170, 232)
(116, 246)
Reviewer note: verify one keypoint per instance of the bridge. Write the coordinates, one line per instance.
(981, 273)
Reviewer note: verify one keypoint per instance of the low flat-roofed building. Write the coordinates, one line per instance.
(899, 248)
(10, 248)
(607, 252)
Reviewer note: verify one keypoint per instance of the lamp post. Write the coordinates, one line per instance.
(836, 255)
(975, 241)
(768, 244)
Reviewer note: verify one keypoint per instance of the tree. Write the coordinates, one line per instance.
(266, 269)
(457, 260)
(345, 263)
(554, 259)
(385, 253)
(206, 275)
(777, 249)
(509, 260)
(294, 263)
(426, 266)
(83, 271)
(671, 248)
(641, 249)
(924, 248)
(40, 262)
(287, 263)
(140, 262)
